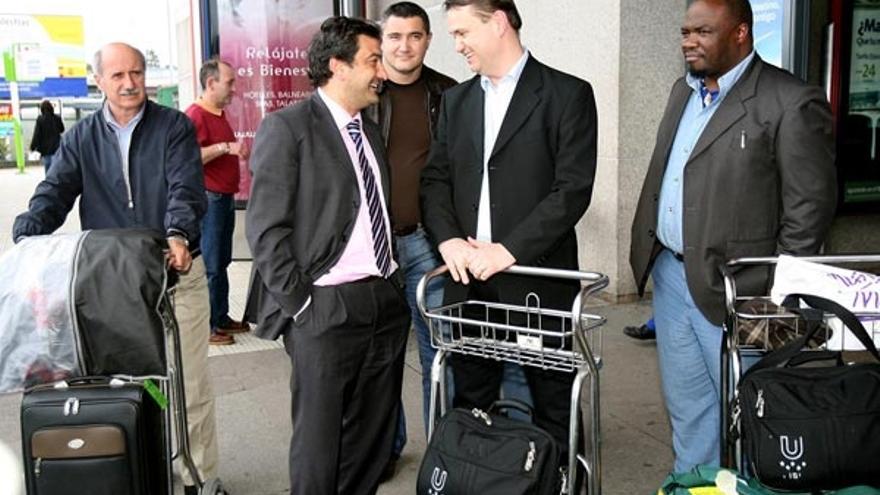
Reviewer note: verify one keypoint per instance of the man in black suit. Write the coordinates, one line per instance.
(743, 166)
(317, 224)
(509, 175)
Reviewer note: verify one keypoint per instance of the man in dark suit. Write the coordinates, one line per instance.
(509, 175)
(317, 224)
(743, 166)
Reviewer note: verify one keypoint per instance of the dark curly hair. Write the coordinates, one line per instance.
(337, 38)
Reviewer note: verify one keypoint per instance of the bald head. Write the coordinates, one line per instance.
(119, 72)
(115, 48)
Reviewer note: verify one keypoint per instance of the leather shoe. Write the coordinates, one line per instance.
(220, 338)
(640, 333)
(233, 326)
(390, 469)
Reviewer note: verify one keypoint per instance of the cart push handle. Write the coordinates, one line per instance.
(594, 283)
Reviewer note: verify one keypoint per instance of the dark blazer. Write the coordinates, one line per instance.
(303, 205)
(760, 181)
(541, 175)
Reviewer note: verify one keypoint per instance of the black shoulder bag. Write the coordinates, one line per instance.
(807, 427)
(484, 453)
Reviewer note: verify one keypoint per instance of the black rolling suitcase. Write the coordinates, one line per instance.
(94, 436)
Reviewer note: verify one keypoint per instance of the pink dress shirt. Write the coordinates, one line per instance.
(358, 259)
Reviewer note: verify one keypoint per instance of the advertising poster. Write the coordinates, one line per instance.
(50, 55)
(266, 42)
(767, 27)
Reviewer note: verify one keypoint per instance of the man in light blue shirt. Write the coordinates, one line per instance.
(743, 166)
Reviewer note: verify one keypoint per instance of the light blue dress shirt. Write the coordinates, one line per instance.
(123, 136)
(693, 121)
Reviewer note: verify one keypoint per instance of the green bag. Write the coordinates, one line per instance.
(707, 480)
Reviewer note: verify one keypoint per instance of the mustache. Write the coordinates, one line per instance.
(129, 92)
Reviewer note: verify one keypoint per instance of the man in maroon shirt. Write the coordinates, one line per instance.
(220, 154)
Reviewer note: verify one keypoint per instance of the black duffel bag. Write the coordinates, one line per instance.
(486, 453)
(810, 427)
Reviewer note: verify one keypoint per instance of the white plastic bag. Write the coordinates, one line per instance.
(37, 340)
(856, 291)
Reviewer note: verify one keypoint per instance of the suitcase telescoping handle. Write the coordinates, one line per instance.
(784, 355)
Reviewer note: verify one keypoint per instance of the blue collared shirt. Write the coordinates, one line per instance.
(123, 137)
(693, 121)
(497, 99)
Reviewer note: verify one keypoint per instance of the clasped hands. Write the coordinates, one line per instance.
(482, 259)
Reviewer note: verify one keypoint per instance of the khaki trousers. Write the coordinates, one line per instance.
(193, 311)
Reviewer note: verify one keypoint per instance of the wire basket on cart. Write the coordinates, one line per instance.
(529, 335)
(96, 303)
(755, 326)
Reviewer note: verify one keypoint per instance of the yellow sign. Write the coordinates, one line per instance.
(51, 46)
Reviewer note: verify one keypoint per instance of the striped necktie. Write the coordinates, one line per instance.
(377, 220)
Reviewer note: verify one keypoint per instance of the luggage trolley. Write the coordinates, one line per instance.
(736, 356)
(528, 344)
(90, 285)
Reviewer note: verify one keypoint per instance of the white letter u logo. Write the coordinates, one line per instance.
(438, 480)
(791, 450)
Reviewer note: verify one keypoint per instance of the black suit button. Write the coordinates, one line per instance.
(656, 197)
(650, 233)
(474, 207)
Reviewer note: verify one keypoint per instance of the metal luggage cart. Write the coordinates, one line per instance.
(736, 356)
(519, 334)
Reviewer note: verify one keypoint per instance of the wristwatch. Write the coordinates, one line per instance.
(224, 148)
(179, 238)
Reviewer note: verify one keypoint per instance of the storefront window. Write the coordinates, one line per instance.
(859, 158)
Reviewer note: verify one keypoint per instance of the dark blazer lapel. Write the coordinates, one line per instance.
(327, 132)
(525, 98)
(731, 109)
(473, 113)
(671, 119)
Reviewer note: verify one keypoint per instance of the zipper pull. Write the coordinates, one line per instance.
(37, 464)
(479, 414)
(530, 457)
(759, 404)
(130, 204)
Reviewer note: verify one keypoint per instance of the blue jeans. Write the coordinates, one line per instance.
(46, 160)
(689, 355)
(217, 227)
(416, 256)
(515, 386)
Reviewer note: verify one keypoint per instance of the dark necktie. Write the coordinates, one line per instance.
(377, 220)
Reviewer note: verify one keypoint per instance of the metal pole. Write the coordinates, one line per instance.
(351, 8)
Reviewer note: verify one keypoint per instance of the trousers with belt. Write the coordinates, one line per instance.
(347, 350)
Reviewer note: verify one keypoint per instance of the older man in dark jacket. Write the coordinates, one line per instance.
(137, 164)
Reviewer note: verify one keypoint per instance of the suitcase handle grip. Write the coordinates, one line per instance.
(519, 405)
(90, 380)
